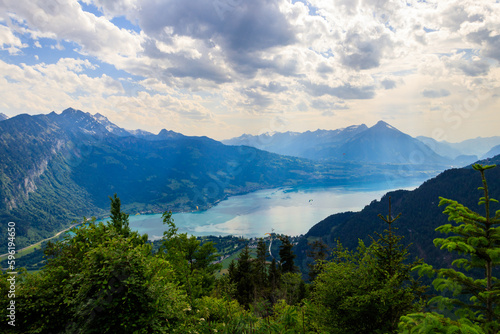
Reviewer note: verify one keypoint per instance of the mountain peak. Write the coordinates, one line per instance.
(360, 127)
(383, 125)
(104, 121)
(70, 111)
(3, 117)
(169, 134)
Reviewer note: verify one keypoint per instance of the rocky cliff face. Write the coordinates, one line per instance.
(36, 190)
(29, 184)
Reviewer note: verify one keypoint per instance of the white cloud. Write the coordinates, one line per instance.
(209, 61)
(113, 8)
(44, 87)
(65, 20)
(10, 42)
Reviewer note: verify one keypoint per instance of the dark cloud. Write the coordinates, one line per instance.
(185, 66)
(152, 51)
(324, 69)
(274, 87)
(474, 68)
(492, 48)
(489, 40)
(345, 91)
(243, 30)
(254, 98)
(257, 25)
(362, 52)
(457, 14)
(248, 64)
(388, 84)
(238, 25)
(435, 93)
(194, 68)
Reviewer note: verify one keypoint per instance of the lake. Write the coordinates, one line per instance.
(290, 211)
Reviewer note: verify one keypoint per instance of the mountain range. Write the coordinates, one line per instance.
(59, 167)
(476, 148)
(381, 143)
(311, 145)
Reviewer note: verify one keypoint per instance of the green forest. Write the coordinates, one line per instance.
(105, 278)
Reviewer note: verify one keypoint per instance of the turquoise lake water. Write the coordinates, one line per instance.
(290, 211)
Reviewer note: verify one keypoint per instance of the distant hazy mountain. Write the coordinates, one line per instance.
(382, 143)
(477, 147)
(493, 152)
(464, 160)
(3, 117)
(441, 147)
(317, 145)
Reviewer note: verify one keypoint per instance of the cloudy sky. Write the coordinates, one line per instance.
(221, 68)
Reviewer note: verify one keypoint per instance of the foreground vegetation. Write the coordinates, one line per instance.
(109, 279)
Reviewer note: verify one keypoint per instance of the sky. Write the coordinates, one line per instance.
(221, 68)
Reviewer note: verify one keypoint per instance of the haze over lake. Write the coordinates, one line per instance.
(290, 211)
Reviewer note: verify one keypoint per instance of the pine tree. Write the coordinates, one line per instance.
(244, 279)
(119, 220)
(287, 256)
(274, 275)
(260, 270)
(319, 253)
(231, 271)
(390, 268)
(477, 237)
(274, 279)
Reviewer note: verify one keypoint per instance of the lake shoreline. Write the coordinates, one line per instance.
(244, 214)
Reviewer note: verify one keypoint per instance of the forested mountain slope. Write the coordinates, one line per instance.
(420, 214)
